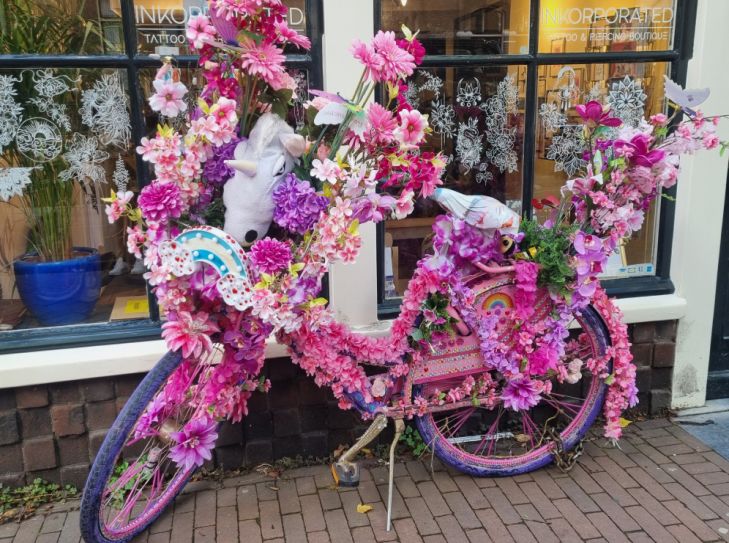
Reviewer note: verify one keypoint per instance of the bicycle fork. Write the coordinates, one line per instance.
(346, 471)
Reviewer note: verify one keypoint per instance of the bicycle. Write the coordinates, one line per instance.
(505, 349)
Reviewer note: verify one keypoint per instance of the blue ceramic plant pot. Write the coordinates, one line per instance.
(63, 292)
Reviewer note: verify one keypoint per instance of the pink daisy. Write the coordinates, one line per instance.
(264, 60)
(189, 333)
(194, 443)
(412, 128)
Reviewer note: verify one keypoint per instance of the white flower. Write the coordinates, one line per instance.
(326, 171)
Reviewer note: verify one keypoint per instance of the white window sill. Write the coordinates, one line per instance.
(40, 367)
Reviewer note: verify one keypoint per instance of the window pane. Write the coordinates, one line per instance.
(161, 23)
(477, 116)
(633, 91)
(595, 26)
(65, 143)
(60, 27)
(463, 27)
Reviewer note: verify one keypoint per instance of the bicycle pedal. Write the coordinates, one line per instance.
(345, 475)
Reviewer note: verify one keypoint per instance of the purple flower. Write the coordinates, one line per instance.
(638, 151)
(463, 244)
(521, 393)
(216, 171)
(194, 443)
(270, 255)
(298, 206)
(160, 202)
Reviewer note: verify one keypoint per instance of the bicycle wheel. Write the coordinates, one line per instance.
(133, 479)
(496, 441)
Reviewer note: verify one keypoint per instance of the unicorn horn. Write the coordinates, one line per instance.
(247, 167)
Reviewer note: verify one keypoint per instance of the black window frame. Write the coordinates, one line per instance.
(677, 57)
(133, 62)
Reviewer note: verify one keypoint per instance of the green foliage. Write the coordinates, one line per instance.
(550, 248)
(412, 440)
(435, 318)
(19, 503)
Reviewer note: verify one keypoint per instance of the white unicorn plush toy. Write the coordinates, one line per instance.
(261, 161)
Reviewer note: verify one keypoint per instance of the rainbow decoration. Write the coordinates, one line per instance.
(215, 248)
(498, 300)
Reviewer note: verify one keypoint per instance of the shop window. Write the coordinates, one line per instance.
(463, 27)
(600, 26)
(500, 81)
(69, 127)
(73, 27)
(65, 144)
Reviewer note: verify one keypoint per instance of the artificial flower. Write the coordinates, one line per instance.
(270, 255)
(168, 98)
(194, 444)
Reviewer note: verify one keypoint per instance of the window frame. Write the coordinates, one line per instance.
(678, 58)
(43, 338)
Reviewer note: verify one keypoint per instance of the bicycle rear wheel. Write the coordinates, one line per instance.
(133, 480)
(499, 442)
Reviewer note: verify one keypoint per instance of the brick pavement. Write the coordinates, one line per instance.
(662, 485)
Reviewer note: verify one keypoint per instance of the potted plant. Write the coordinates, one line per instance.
(55, 133)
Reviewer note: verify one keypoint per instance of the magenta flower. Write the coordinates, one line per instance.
(594, 115)
(412, 128)
(194, 443)
(638, 151)
(521, 393)
(270, 255)
(189, 333)
(160, 202)
(168, 98)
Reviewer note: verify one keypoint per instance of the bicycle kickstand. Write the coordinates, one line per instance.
(344, 470)
(399, 428)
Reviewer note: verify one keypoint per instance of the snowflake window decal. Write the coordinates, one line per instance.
(468, 93)
(83, 158)
(13, 181)
(567, 149)
(627, 100)
(499, 134)
(104, 110)
(469, 144)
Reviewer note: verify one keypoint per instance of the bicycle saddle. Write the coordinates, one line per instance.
(483, 212)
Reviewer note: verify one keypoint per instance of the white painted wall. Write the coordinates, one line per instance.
(699, 212)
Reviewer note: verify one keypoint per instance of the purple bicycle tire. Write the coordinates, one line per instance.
(103, 467)
(481, 466)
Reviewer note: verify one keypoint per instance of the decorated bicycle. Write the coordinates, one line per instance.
(506, 348)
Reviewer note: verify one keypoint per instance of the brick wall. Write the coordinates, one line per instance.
(654, 353)
(53, 431)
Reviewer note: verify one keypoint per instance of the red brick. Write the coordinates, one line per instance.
(495, 528)
(511, 490)
(407, 532)
(644, 332)
(35, 396)
(691, 521)
(312, 512)
(521, 533)
(462, 510)
(9, 431)
(653, 506)
(75, 475)
(247, 503)
(450, 527)
(576, 519)
(664, 354)
(39, 453)
(226, 525)
(607, 527)
(649, 523)
(100, 415)
(11, 459)
(68, 419)
(432, 497)
(336, 524)
(98, 390)
(205, 504)
(422, 516)
(642, 355)
(540, 500)
(690, 501)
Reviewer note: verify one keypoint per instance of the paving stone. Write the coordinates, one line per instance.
(407, 531)
(53, 523)
(422, 516)
(473, 494)
(312, 512)
(494, 526)
(511, 490)
(226, 527)
(649, 524)
(478, 536)
(576, 518)
(607, 527)
(521, 533)
(249, 531)
(247, 497)
(305, 485)
(451, 528)
(205, 508)
(540, 500)
(578, 496)
(294, 530)
(182, 526)
(613, 509)
(564, 531)
(271, 524)
(337, 526)
(691, 501)
(350, 501)
(462, 510)
(71, 532)
(433, 498)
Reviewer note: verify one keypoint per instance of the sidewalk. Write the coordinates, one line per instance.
(663, 485)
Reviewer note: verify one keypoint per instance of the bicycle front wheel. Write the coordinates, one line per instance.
(133, 480)
(496, 441)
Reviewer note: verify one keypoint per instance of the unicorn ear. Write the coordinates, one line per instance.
(295, 144)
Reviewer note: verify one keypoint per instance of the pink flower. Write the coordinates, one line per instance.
(262, 59)
(710, 140)
(521, 393)
(118, 206)
(161, 202)
(659, 119)
(289, 35)
(593, 114)
(412, 128)
(200, 31)
(638, 151)
(367, 55)
(194, 443)
(326, 170)
(397, 63)
(270, 255)
(135, 240)
(382, 124)
(168, 98)
(405, 204)
(189, 333)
